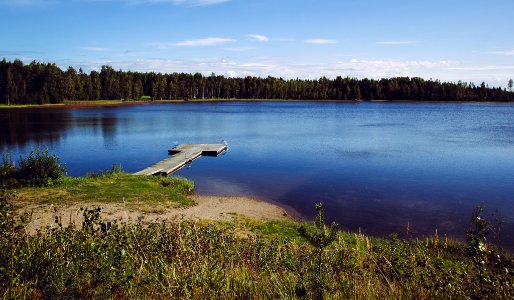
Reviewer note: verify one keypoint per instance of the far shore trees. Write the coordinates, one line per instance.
(39, 83)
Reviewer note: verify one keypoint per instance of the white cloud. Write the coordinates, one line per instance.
(285, 40)
(18, 52)
(397, 42)
(393, 68)
(94, 49)
(321, 42)
(237, 49)
(211, 41)
(485, 68)
(257, 37)
(160, 46)
(265, 66)
(505, 53)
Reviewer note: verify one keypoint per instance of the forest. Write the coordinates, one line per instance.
(44, 83)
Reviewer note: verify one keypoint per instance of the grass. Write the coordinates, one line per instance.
(75, 102)
(199, 260)
(240, 259)
(149, 100)
(3, 106)
(136, 191)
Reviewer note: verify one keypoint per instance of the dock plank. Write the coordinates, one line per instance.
(182, 155)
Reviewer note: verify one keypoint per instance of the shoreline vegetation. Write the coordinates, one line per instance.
(109, 235)
(109, 103)
(39, 83)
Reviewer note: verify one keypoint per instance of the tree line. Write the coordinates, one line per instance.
(40, 83)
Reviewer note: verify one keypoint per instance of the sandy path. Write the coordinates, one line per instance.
(208, 208)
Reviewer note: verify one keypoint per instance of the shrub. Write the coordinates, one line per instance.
(182, 185)
(6, 213)
(320, 237)
(40, 168)
(7, 168)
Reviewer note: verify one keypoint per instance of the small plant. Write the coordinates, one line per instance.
(320, 237)
(7, 168)
(40, 168)
(91, 218)
(497, 227)
(10, 220)
(183, 185)
(490, 263)
(476, 236)
(116, 169)
(6, 213)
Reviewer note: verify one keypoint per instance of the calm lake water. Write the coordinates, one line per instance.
(376, 166)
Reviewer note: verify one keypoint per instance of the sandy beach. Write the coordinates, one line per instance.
(222, 208)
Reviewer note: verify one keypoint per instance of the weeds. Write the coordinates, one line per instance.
(39, 168)
(192, 260)
(493, 266)
(320, 237)
(7, 168)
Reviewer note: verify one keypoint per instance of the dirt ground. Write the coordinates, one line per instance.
(207, 208)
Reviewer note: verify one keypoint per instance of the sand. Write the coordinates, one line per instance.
(223, 208)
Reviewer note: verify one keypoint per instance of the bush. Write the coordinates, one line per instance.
(7, 168)
(5, 214)
(40, 168)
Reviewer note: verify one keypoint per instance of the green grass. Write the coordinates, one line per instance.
(240, 259)
(75, 102)
(105, 102)
(94, 102)
(140, 191)
(27, 105)
(191, 260)
(149, 100)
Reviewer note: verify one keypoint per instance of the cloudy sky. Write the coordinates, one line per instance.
(450, 40)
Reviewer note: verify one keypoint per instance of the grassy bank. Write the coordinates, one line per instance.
(100, 103)
(76, 103)
(93, 103)
(39, 180)
(216, 261)
(243, 258)
(116, 187)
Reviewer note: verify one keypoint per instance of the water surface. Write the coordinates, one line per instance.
(376, 166)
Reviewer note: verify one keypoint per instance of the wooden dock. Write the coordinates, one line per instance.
(182, 155)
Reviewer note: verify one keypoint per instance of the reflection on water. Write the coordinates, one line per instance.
(20, 128)
(27, 128)
(376, 166)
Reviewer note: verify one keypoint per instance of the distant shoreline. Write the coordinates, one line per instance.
(111, 103)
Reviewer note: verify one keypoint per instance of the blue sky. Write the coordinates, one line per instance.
(450, 40)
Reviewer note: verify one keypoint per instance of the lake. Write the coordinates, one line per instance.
(376, 166)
